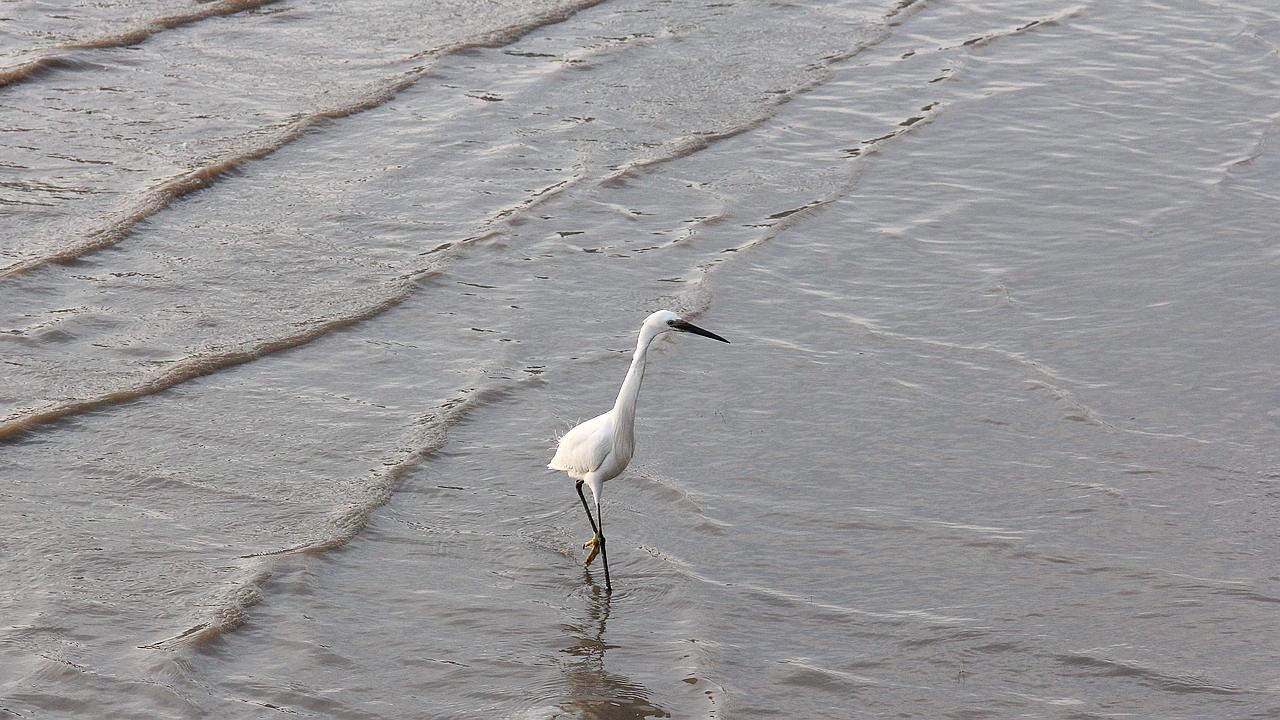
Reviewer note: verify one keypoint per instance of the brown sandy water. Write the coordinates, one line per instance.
(299, 296)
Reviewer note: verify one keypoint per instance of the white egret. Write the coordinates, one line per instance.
(600, 448)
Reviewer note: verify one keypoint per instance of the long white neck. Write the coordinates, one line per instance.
(624, 409)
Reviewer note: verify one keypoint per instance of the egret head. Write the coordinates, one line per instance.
(667, 321)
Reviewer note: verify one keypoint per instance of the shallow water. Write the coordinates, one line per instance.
(298, 297)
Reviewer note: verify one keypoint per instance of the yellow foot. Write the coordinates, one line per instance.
(594, 545)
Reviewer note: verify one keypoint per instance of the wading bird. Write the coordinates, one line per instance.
(600, 448)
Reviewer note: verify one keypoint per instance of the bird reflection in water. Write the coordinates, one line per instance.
(596, 693)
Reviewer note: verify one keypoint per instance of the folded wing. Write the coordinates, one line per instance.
(585, 448)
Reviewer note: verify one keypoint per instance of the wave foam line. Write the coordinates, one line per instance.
(929, 114)
(697, 294)
(1096, 662)
(117, 226)
(897, 16)
(228, 608)
(696, 298)
(198, 365)
(923, 615)
(987, 39)
(686, 146)
(428, 434)
(1047, 378)
(55, 56)
(206, 363)
(903, 10)
(694, 301)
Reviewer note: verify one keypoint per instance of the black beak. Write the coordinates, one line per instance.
(683, 326)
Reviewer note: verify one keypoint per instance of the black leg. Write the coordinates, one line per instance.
(587, 507)
(608, 586)
(604, 555)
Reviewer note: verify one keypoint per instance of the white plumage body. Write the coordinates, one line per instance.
(600, 448)
(597, 450)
